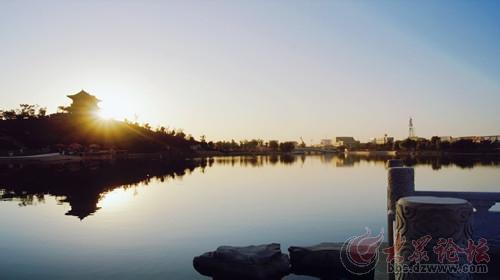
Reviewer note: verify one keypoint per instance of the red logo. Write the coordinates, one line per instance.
(360, 254)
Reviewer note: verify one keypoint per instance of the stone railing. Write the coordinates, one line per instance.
(404, 203)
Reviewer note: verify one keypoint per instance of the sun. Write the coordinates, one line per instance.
(105, 114)
(108, 111)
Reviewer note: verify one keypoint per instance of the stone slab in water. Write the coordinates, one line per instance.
(324, 261)
(249, 263)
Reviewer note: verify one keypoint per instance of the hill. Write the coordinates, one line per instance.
(63, 131)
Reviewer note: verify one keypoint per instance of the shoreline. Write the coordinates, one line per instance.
(56, 158)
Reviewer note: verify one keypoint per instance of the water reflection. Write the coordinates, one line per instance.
(350, 160)
(436, 162)
(257, 161)
(291, 200)
(88, 186)
(83, 185)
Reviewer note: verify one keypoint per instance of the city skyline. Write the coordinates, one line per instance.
(262, 70)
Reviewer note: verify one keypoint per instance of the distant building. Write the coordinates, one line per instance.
(411, 130)
(346, 141)
(493, 138)
(475, 139)
(326, 142)
(383, 140)
(83, 104)
(479, 139)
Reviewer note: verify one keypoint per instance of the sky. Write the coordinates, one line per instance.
(262, 69)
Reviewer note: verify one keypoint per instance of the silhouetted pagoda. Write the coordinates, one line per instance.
(84, 104)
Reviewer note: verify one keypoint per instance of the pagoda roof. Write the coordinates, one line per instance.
(83, 94)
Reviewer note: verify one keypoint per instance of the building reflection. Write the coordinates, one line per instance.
(82, 185)
(258, 160)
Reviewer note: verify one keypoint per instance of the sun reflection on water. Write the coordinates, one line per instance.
(116, 199)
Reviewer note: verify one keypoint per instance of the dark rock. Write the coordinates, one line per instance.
(324, 261)
(248, 263)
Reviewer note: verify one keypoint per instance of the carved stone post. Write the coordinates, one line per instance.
(401, 182)
(428, 230)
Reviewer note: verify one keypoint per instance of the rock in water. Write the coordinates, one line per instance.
(324, 261)
(246, 263)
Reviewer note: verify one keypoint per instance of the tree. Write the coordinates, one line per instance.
(287, 147)
(9, 115)
(274, 145)
(463, 145)
(161, 130)
(42, 112)
(27, 111)
(180, 134)
(63, 109)
(252, 144)
(302, 143)
(436, 142)
(423, 145)
(233, 145)
(203, 143)
(211, 145)
(408, 144)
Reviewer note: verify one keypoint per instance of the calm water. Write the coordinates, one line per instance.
(147, 221)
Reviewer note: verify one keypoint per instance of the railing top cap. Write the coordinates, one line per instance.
(394, 162)
(432, 200)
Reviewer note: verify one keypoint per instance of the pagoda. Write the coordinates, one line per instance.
(84, 104)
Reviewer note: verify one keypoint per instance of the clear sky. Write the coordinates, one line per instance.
(262, 69)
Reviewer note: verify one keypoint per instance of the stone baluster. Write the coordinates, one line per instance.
(431, 221)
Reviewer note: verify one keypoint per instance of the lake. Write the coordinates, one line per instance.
(147, 220)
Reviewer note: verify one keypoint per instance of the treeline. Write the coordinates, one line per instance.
(26, 111)
(434, 144)
(254, 145)
(30, 129)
